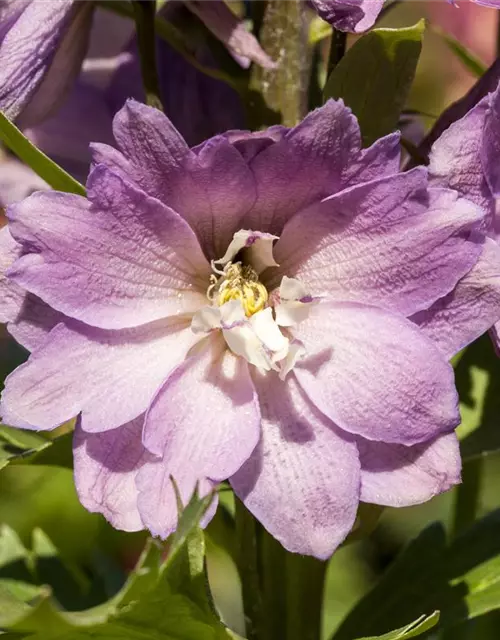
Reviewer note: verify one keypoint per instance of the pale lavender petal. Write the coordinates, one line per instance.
(397, 476)
(40, 57)
(354, 16)
(455, 159)
(305, 165)
(29, 319)
(491, 144)
(205, 420)
(375, 374)
(81, 251)
(211, 189)
(106, 465)
(390, 242)
(230, 30)
(302, 481)
(109, 376)
(470, 309)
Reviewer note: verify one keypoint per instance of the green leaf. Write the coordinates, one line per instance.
(461, 580)
(161, 600)
(25, 447)
(284, 37)
(375, 77)
(476, 66)
(412, 630)
(42, 165)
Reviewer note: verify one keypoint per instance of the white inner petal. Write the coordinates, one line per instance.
(256, 248)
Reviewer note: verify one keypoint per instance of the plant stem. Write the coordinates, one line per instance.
(466, 507)
(274, 579)
(337, 49)
(144, 14)
(305, 585)
(247, 559)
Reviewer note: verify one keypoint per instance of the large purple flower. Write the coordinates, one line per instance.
(354, 16)
(464, 157)
(239, 311)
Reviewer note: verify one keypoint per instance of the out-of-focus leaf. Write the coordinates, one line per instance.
(284, 37)
(15, 444)
(318, 30)
(469, 59)
(25, 447)
(461, 580)
(42, 165)
(375, 77)
(366, 520)
(164, 600)
(477, 375)
(412, 630)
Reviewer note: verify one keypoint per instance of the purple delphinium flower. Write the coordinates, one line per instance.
(354, 16)
(464, 156)
(239, 311)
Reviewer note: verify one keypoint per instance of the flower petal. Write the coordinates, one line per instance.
(122, 260)
(106, 465)
(212, 189)
(302, 481)
(109, 376)
(354, 16)
(29, 319)
(375, 374)
(390, 242)
(470, 309)
(230, 30)
(205, 421)
(17, 181)
(491, 143)
(455, 159)
(40, 56)
(257, 249)
(397, 476)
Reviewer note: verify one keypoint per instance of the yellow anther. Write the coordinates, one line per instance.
(241, 283)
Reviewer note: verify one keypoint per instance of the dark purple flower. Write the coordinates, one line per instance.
(354, 16)
(239, 311)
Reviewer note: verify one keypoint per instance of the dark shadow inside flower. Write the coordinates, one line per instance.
(315, 362)
(383, 456)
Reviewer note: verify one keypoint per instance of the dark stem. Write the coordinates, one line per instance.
(305, 585)
(145, 14)
(337, 49)
(274, 579)
(248, 565)
(467, 496)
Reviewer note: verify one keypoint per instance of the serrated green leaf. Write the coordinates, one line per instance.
(41, 164)
(162, 600)
(460, 580)
(375, 77)
(417, 628)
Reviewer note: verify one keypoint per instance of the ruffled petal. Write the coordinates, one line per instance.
(375, 374)
(257, 249)
(205, 422)
(390, 242)
(397, 476)
(106, 465)
(302, 481)
(109, 376)
(29, 319)
(470, 309)
(121, 259)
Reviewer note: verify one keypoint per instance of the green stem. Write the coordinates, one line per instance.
(144, 13)
(248, 565)
(274, 578)
(337, 49)
(467, 496)
(305, 586)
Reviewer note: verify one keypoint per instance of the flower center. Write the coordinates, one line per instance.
(238, 282)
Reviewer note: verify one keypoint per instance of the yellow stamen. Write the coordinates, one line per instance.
(241, 283)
